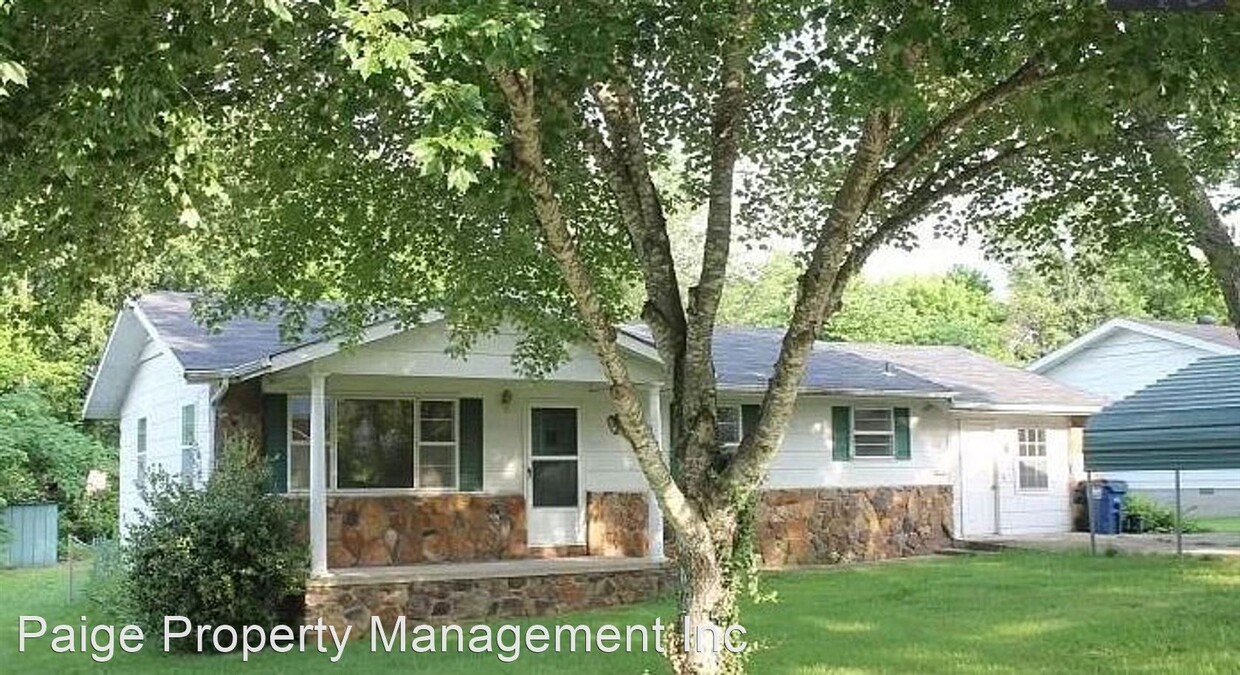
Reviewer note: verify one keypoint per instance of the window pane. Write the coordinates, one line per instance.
(189, 465)
(872, 446)
(438, 430)
(872, 420)
(555, 482)
(375, 444)
(728, 425)
(437, 466)
(554, 431)
(187, 425)
(299, 466)
(1033, 475)
(141, 443)
(438, 410)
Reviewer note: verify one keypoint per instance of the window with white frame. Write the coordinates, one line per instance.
(728, 430)
(379, 444)
(299, 443)
(189, 444)
(1031, 459)
(873, 432)
(437, 444)
(140, 451)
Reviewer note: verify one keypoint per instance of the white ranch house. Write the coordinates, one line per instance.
(406, 456)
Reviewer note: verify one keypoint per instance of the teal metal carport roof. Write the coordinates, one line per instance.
(1187, 420)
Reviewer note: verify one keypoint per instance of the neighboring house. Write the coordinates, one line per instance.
(1123, 356)
(891, 450)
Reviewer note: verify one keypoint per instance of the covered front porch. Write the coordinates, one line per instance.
(405, 457)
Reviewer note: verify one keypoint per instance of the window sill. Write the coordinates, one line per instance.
(385, 492)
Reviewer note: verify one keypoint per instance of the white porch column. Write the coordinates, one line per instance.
(318, 474)
(654, 515)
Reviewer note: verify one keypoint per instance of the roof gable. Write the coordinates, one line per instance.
(1212, 339)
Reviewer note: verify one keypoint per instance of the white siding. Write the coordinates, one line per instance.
(1121, 363)
(805, 461)
(157, 392)
(422, 352)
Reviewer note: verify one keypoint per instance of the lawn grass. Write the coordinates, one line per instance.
(1013, 612)
(1219, 524)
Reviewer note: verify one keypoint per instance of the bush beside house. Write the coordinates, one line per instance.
(225, 553)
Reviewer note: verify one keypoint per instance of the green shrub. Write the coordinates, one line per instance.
(1154, 516)
(227, 553)
(44, 459)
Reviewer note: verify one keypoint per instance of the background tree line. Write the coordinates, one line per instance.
(1047, 304)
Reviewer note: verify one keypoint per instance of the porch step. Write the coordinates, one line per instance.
(978, 546)
(954, 551)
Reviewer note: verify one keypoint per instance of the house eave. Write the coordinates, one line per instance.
(1025, 408)
(850, 393)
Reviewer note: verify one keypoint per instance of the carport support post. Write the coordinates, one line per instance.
(1089, 511)
(1179, 525)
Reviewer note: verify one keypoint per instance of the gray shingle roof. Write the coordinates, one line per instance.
(1217, 333)
(976, 378)
(744, 358)
(234, 343)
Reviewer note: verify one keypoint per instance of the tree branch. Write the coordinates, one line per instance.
(727, 121)
(752, 459)
(629, 174)
(1030, 73)
(913, 205)
(518, 90)
(1205, 225)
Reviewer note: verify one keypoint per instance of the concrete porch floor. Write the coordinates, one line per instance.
(495, 569)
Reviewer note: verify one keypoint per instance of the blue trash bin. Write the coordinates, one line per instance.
(1107, 506)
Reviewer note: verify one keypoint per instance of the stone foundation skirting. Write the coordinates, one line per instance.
(414, 529)
(616, 524)
(835, 525)
(452, 600)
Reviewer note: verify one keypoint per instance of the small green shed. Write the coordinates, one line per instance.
(28, 535)
(1186, 421)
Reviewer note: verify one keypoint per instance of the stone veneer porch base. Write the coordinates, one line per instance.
(450, 593)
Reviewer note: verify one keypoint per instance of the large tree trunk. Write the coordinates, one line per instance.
(1206, 227)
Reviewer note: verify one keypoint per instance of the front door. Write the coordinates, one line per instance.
(554, 501)
(979, 455)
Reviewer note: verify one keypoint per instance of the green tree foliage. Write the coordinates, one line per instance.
(1062, 298)
(957, 308)
(43, 459)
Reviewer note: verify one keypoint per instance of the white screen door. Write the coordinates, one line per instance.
(554, 496)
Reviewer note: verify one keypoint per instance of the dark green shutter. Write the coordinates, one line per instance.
(841, 433)
(904, 445)
(275, 439)
(749, 418)
(471, 444)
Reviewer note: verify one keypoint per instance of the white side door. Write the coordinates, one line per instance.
(979, 477)
(555, 505)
